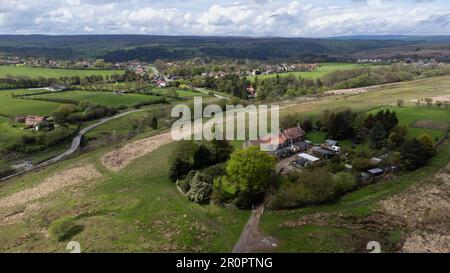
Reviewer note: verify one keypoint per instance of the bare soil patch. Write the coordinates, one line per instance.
(351, 91)
(118, 159)
(426, 210)
(442, 98)
(56, 182)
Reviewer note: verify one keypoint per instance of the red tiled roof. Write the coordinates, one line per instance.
(294, 133)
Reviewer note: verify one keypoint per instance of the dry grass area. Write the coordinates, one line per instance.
(442, 98)
(352, 91)
(431, 124)
(16, 206)
(118, 159)
(425, 208)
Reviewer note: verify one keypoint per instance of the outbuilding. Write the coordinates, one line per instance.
(376, 172)
(324, 153)
(308, 158)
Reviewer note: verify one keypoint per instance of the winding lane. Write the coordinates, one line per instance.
(76, 141)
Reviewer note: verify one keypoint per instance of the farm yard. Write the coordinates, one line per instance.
(36, 72)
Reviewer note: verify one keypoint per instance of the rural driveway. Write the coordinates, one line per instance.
(251, 238)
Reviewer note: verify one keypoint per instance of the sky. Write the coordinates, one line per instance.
(286, 18)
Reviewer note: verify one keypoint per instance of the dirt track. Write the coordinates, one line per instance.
(251, 238)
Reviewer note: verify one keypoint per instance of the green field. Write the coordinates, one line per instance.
(36, 72)
(380, 96)
(407, 116)
(324, 69)
(104, 98)
(181, 93)
(14, 107)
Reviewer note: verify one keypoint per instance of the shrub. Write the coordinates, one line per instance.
(250, 169)
(64, 229)
(344, 182)
(362, 164)
(178, 169)
(413, 154)
(5, 169)
(223, 190)
(310, 187)
(200, 188)
(185, 184)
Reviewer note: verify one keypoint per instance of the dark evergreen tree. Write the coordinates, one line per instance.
(178, 169)
(202, 157)
(154, 123)
(413, 154)
(377, 135)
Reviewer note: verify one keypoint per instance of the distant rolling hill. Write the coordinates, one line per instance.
(116, 48)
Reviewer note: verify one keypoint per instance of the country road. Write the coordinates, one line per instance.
(207, 93)
(76, 141)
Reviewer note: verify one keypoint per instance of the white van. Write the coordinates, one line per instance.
(336, 149)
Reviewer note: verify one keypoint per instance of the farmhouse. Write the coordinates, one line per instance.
(161, 83)
(57, 88)
(19, 119)
(290, 141)
(33, 121)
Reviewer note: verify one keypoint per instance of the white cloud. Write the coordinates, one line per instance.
(246, 17)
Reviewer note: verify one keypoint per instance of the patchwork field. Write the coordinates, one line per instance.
(324, 69)
(35, 72)
(181, 93)
(104, 98)
(13, 107)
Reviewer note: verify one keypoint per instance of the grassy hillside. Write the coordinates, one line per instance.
(375, 97)
(139, 209)
(148, 48)
(136, 210)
